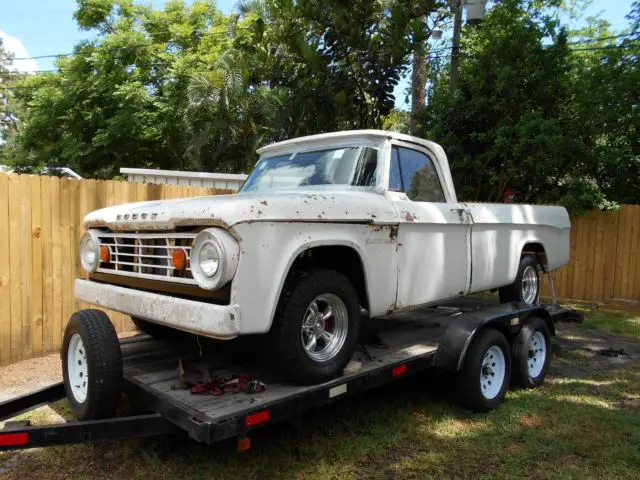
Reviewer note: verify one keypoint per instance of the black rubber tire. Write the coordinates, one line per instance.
(153, 329)
(513, 292)
(285, 335)
(104, 364)
(467, 382)
(520, 353)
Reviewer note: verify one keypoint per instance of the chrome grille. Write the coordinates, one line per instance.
(147, 255)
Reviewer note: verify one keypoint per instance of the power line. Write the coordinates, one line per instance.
(133, 45)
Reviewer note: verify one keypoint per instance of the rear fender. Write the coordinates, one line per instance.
(460, 334)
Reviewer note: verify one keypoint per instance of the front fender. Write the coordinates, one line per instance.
(268, 249)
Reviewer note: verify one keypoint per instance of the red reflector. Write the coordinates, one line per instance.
(257, 418)
(399, 370)
(13, 439)
(243, 445)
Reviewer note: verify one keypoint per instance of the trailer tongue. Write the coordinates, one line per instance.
(154, 373)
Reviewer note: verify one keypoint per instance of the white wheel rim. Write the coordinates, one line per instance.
(492, 372)
(537, 354)
(529, 285)
(77, 368)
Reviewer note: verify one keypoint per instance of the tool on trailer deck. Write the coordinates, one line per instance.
(235, 384)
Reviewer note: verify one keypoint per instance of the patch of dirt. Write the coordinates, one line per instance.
(531, 421)
(23, 377)
(577, 351)
(631, 405)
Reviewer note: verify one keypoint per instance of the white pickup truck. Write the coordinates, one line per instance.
(325, 226)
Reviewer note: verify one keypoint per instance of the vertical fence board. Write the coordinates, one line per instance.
(67, 241)
(36, 291)
(15, 257)
(56, 256)
(634, 250)
(26, 259)
(47, 264)
(5, 273)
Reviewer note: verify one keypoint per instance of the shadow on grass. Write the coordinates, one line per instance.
(571, 427)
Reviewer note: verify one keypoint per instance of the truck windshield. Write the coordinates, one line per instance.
(347, 166)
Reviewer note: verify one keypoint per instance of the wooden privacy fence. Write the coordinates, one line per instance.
(41, 225)
(605, 260)
(40, 229)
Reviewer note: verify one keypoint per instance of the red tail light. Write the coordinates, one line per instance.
(399, 370)
(257, 418)
(13, 439)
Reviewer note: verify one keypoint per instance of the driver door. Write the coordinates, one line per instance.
(433, 234)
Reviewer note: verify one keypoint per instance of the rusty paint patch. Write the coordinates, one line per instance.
(408, 216)
(393, 233)
(264, 202)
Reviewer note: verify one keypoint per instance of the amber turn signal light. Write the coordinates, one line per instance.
(105, 254)
(179, 259)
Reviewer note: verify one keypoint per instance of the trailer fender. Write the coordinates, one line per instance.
(460, 334)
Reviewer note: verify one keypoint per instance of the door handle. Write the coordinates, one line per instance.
(461, 212)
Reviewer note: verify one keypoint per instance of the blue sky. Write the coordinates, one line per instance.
(32, 28)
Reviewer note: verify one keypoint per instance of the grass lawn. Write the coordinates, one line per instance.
(624, 322)
(575, 426)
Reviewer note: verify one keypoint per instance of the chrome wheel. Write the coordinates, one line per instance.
(529, 285)
(77, 368)
(324, 328)
(537, 354)
(492, 372)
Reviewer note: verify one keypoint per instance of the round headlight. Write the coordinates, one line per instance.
(89, 252)
(214, 258)
(209, 258)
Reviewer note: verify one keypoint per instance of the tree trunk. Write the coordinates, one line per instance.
(418, 82)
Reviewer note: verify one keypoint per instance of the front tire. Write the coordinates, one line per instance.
(91, 365)
(484, 379)
(531, 353)
(317, 326)
(526, 287)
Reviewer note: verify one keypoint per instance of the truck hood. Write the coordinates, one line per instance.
(229, 210)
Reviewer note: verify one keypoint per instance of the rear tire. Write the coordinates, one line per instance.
(91, 365)
(321, 305)
(531, 353)
(526, 287)
(484, 379)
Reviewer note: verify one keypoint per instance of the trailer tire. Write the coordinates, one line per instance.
(526, 286)
(91, 365)
(531, 353)
(487, 362)
(294, 326)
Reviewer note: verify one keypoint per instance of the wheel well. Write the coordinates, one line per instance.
(340, 258)
(536, 249)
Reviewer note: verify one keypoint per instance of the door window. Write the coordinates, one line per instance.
(413, 172)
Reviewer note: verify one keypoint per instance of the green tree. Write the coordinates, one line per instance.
(524, 115)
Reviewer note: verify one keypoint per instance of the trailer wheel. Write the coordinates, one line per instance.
(531, 353)
(483, 381)
(316, 327)
(526, 287)
(91, 365)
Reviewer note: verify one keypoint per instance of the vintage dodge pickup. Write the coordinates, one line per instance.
(325, 228)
